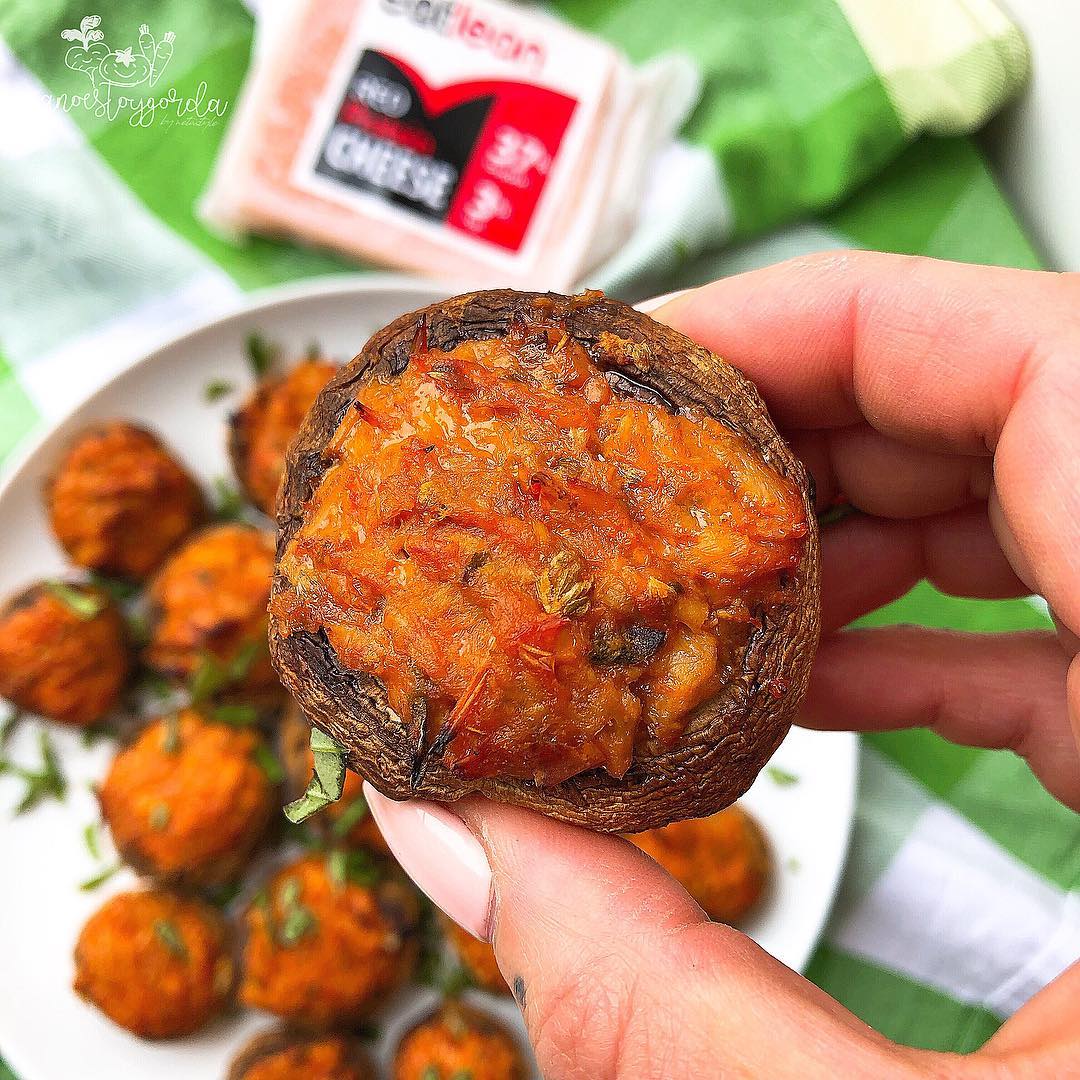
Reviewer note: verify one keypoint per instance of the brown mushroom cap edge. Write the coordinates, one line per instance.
(729, 738)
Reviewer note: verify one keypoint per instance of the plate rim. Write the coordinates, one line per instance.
(23, 459)
(247, 303)
(851, 745)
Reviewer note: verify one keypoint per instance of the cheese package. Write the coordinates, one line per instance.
(466, 139)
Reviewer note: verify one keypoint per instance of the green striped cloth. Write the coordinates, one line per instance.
(846, 116)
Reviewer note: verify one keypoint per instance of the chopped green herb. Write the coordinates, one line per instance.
(355, 867)
(90, 838)
(327, 781)
(297, 920)
(436, 967)
(170, 741)
(268, 762)
(138, 628)
(363, 869)
(212, 676)
(155, 684)
(207, 679)
(781, 777)
(170, 938)
(262, 355)
(236, 715)
(85, 605)
(46, 782)
(221, 896)
(99, 879)
(159, 816)
(91, 736)
(351, 816)
(461, 1074)
(337, 866)
(794, 865)
(216, 389)
(116, 588)
(454, 982)
(430, 1073)
(241, 663)
(432, 960)
(313, 351)
(9, 724)
(832, 514)
(228, 502)
(289, 892)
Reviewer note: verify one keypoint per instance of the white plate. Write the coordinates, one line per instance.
(46, 1032)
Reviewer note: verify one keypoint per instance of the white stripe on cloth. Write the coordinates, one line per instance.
(30, 123)
(101, 278)
(947, 65)
(954, 911)
(60, 379)
(685, 210)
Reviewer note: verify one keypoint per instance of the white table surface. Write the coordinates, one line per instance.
(1035, 145)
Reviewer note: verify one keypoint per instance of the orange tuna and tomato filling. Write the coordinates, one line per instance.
(544, 575)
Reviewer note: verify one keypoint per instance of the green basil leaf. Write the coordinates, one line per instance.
(327, 781)
(216, 389)
(85, 605)
(100, 878)
(170, 937)
(269, 764)
(262, 354)
(235, 715)
(781, 777)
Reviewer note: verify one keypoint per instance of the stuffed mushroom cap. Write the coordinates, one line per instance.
(261, 430)
(208, 614)
(326, 949)
(155, 963)
(282, 1054)
(119, 501)
(457, 1041)
(722, 861)
(188, 801)
(64, 652)
(546, 549)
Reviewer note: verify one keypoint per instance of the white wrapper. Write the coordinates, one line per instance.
(475, 141)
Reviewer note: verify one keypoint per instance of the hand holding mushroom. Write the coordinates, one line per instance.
(941, 401)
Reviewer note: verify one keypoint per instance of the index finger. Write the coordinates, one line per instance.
(930, 352)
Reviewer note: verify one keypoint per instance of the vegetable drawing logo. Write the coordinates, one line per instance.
(120, 79)
(124, 67)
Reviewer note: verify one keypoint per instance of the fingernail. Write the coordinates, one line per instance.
(442, 857)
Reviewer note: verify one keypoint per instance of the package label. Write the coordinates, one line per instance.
(467, 117)
(475, 155)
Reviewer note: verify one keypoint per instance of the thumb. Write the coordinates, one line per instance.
(618, 973)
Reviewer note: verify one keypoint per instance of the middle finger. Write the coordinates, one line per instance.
(887, 478)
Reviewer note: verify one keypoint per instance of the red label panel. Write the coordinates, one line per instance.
(475, 155)
(510, 164)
